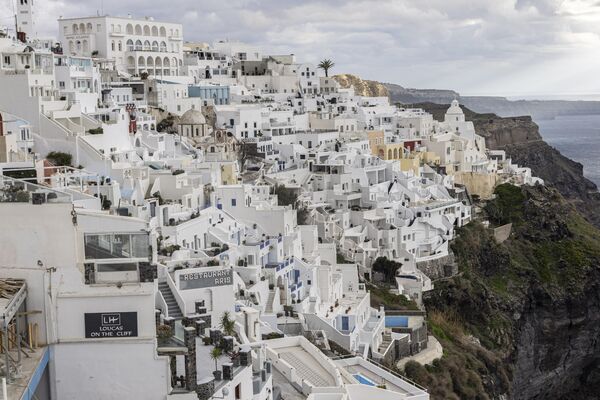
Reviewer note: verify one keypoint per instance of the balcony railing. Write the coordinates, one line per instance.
(18, 191)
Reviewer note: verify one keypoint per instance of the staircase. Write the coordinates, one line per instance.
(387, 340)
(174, 310)
(269, 307)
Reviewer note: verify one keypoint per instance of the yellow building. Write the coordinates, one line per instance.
(385, 151)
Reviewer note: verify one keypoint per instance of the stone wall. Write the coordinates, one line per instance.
(443, 267)
(502, 233)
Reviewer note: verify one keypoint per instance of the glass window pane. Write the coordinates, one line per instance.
(140, 245)
(116, 267)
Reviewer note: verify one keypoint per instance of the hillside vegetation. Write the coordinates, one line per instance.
(521, 321)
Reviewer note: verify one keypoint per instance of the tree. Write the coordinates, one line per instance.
(285, 196)
(215, 354)
(58, 158)
(227, 324)
(326, 65)
(387, 267)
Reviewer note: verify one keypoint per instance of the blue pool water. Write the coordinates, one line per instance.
(364, 380)
(396, 321)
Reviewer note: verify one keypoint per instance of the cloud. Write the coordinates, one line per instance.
(484, 46)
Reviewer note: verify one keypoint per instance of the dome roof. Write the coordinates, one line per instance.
(454, 108)
(192, 117)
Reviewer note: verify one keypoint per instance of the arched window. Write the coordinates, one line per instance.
(75, 28)
(163, 46)
(146, 45)
(129, 29)
(154, 31)
(89, 27)
(82, 28)
(112, 45)
(130, 45)
(120, 45)
(85, 46)
(155, 46)
(138, 45)
(163, 31)
(71, 47)
(78, 45)
(176, 32)
(141, 62)
(167, 64)
(138, 30)
(146, 30)
(130, 62)
(389, 154)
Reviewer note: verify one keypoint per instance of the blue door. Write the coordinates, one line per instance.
(344, 323)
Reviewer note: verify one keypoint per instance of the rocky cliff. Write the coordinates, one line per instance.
(521, 321)
(362, 87)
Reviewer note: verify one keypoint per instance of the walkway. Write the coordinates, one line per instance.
(433, 351)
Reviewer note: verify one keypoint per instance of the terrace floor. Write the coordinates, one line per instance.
(306, 366)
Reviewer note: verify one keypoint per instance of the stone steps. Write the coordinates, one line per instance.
(173, 308)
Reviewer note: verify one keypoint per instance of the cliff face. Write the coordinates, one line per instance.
(521, 321)
(362, 87)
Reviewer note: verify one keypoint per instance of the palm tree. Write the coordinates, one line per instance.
(326, 65)
(215, 354)
(227, 324)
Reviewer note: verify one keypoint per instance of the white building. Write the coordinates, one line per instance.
(136, 45)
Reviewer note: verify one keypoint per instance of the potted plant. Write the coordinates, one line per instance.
(164, 333)
(227, 324)
(215, 354)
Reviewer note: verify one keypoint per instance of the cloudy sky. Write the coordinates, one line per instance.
(506, 47)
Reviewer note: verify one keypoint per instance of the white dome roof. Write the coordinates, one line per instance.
(454, 108)
(192, 117)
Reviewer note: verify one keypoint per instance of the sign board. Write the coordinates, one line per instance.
(111, 325)
(203, 279)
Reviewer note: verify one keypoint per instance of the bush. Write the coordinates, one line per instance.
(387, 267)
(58, 158)
(96, 131)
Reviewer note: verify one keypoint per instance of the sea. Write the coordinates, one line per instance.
(576, 137)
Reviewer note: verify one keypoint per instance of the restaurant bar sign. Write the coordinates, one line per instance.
(111, 325)
(199, 280)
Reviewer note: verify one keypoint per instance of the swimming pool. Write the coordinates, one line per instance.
(364, 380)
(396, 321)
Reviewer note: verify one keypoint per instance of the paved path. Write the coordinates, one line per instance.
(433, 351)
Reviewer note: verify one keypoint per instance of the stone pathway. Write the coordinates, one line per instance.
(433, 351)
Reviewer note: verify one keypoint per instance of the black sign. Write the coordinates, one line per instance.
(198, 280)
(111, 325)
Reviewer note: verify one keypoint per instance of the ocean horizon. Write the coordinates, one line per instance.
(576, 137)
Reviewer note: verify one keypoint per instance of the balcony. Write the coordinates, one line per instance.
(18, 191)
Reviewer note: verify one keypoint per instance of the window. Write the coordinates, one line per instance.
(233, 202)
(116, 267)
(117, 245)
(7, 60)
